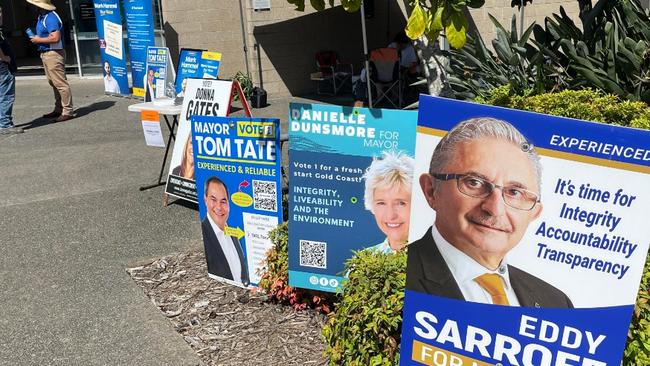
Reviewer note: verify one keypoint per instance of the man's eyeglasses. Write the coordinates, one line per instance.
(473, 186)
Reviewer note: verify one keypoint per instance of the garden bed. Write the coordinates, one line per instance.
(227, 325)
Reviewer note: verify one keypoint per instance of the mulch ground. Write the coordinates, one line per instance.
(227, 325)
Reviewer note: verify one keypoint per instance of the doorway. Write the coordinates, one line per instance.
(18, 16)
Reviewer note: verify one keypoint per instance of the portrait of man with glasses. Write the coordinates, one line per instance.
(484, 183)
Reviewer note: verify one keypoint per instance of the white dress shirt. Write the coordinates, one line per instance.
(229, 251)
(111, 85)
(465, 270)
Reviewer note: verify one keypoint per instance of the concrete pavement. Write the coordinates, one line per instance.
(71, 220)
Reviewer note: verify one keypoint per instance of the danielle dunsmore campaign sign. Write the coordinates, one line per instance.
(238, 182)
(567, 257)
(329, 151)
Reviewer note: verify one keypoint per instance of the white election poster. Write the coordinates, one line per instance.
(113, 38)
(151, 127)
(257, 228)
(203, 97)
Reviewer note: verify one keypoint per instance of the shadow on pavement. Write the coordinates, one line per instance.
(184, 203)
(38, 122)
(97, 106)
(85, 110)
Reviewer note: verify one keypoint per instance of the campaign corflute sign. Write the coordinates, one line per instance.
(330, 150)
(240, 194)
(202, 98)
(139, 25)
(529, 241)
(109, 31)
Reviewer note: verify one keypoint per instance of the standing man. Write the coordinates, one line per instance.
(49, 39)
(484, 183)
(7, 86)
(222, 251)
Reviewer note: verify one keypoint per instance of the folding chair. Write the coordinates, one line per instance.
(385, 76)
(331, 72)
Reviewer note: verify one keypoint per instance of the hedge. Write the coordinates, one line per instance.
(365, 327)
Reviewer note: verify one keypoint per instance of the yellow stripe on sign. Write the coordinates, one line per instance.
(594, 161)
(563, 155)
(255, 129)
(208, 55)
(237, 160)
(431, 131)
(434, 356)
(138, 92)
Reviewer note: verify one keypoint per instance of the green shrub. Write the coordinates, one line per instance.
(584, 104)
(637, 351)
(365, 328)
(246, 84)
(275, 277)
(607, 50)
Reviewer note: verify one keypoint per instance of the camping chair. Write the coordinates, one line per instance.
(331, 72)
(385, 76)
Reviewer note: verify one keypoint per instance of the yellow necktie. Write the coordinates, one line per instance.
(491, 282)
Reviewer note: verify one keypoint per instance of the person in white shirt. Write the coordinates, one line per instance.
(223, 252)
(409, 67)
(483, 182)
(408, 59)
(110, 84)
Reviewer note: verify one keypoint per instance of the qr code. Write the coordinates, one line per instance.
(313, 254)
(265, 195)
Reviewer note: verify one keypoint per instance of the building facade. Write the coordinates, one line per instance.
(277, 46)
(268, 39)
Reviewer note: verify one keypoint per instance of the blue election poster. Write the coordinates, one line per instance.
(189, 61)
(139, 26)
(109, 31)
(528, 238)
(210, 61)
(350, 171)
(157, 72)
(237, 163)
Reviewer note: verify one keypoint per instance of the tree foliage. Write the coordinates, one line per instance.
(475, 70)
(348, 5)
(430, 17)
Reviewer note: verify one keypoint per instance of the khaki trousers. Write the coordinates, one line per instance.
(54, 64)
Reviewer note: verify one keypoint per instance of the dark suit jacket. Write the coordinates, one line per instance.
(427, 272)
(217, 263)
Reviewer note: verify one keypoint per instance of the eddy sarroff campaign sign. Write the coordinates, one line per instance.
(239, 190)
(528, 238)
(350, 171)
